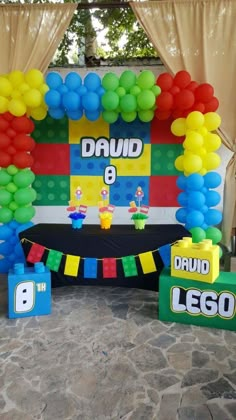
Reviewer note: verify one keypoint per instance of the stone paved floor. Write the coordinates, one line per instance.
(103, 354)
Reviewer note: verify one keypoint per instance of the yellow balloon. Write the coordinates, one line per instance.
(203, 131)
(192, 163)
(193, 141)
(179, 163)
(212, 121)
(17, 107)
(5, 87)
(3, 104)
(195, 120)
(38, 114)
(16, 94)
(32, 98)
(23, 87)
(202, 172)
(178, 127)
(212, 142)
(211, 161)
(43, 89)
(34, 78)
(16, 78)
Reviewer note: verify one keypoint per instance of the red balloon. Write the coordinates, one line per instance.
(165, 81)
(192, 86)
(177, 113)
(3, 124)
(198, 106)
(212, 105)
(23, 125)
(204, 92)
(10, 132)
(184, 99)
(162, 115)
(8, 116)
(182, 79)
(164, 101)
(5, 141)
(5, 159)
(23, 160)
(11, 150)
(174, 89)
(23, 142)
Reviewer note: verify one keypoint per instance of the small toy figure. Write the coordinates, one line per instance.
(104, 193)
(78, 193)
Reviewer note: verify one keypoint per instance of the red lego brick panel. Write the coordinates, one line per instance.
(163, 191)
(51, 159)
(161, 133)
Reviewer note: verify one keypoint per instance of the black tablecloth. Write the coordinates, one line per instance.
(94, 242)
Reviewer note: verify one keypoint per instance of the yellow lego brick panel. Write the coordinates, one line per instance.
(90, 186)
(195, 261)
(81, 128)
(132, 167)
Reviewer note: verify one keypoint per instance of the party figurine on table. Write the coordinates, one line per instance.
(78, 193)
(140, 212)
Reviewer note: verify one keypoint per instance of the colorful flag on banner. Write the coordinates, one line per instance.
(147, 262)
(72, 265)
(36, 253)
(109, 268)
(90, 268)
(129, 266)
(54, 260)
(165, 254)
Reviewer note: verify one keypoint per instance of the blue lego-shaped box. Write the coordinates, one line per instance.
(29, 291)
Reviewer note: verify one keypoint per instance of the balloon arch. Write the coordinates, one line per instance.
(189, 105)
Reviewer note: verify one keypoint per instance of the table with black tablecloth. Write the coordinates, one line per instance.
(93, 242)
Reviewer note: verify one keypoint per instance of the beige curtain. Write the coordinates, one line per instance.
(199, 36)
(31, 33)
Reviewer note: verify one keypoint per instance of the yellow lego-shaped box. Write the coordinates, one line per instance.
(195, 261)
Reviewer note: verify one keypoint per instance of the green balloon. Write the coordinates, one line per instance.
(135, 90)
(110, 116)
(146, 79)
(128, 103)
(220, 252)
(6, 215)
(146, 116)
(214, 234)
(156, 90)
(146, 99)
(13, 206)
(24, 214)
(127, 79)
(5, 197)
(24, 178)
(120, 91)
(5, 177)
(11, 187)
(12, 169)
(25, 196)
(198, 234)
(129, 116)
(110, 101)
(110, 81)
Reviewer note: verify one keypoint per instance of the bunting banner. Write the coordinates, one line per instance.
(147, 262)
(90, 265)
(72, 265)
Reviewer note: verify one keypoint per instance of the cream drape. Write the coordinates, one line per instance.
(199, 36)
(31, 33)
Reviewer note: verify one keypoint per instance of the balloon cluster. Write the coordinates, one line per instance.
(10, 247)
(74, 97)
(180, 96)
(197, 199)
(200, 143)
(129, 96)
(15, 141)
(23, 93)
(16, 195)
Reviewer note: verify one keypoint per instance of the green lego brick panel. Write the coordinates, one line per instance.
(163, 158)
(197, 303)
(51, 131)
(52, 190)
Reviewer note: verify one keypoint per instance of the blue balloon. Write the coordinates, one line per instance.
(5, 232)
(52, 99)
(196, 199)
(73, 80)
(204, 209)
(181, 182)
(194, 182)
(5, 265)
(194, 218)
(92, 115)
(23, 227)
(75, 115)
(13, 240)
(213, 217)
(82, 90)
(90, 101)
(63, 89)
(182, 199)
(6, 248)
(13, 224)
(181, 215)
(53, 80)
(18, 250)
(56, 114)
(204, 226)
(71, 101)
(12, 257)
(212, 180)
(100, 91)
(212, 198)
(92, 81)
